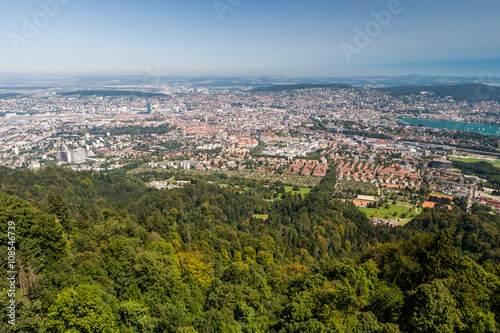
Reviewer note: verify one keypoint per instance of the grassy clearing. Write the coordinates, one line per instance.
(241, 190)
(400, 209)
(474, 160)
(303, 190)
(261, 216)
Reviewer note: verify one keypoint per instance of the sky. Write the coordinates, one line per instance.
(292, 38)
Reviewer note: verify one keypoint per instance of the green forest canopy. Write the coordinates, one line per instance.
(101, 252)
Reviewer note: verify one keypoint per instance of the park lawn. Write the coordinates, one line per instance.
(246, 188)
(383, 213)
(261, 216)
(303, 190)
(474, 160)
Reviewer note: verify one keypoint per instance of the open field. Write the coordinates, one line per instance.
(240, 189)
(303, 190)
(400, 209)
(474, 160)
(261, 216)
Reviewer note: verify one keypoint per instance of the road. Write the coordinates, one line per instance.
(472, 196)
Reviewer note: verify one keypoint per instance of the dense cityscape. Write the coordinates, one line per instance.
(290, 134)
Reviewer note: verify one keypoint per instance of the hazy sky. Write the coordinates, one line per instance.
(250, 37)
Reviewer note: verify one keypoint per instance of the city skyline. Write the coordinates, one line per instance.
(293, 38)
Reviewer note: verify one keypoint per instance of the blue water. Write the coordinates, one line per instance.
(454, 125)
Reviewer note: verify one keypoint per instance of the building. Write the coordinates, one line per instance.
(441, 164)
(34, 165)
(186, 165)
(64, 156)
(79, 155)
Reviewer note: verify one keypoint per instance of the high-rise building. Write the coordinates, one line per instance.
(79, 155)
(64, 156)
(441, 164)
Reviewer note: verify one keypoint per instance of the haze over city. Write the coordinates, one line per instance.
(250, 37)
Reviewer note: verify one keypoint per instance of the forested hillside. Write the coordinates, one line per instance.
(460, 92)
(104, 253)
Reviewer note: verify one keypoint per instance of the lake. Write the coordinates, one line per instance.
(454, 125)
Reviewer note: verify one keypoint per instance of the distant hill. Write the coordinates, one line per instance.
(112, 93)
(291, 87)
(10, 95)
(16, 87)
(461, 92)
